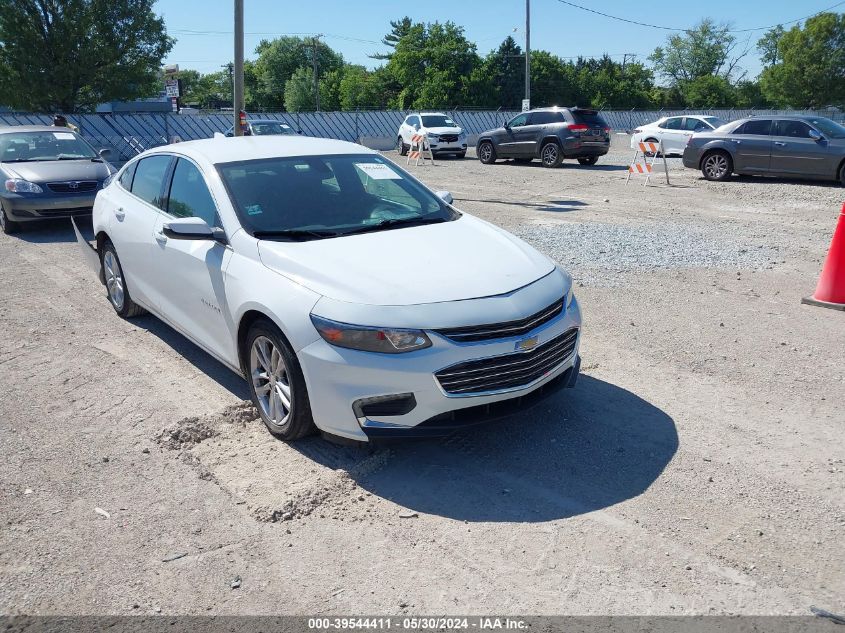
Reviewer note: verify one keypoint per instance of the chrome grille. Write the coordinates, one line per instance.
(73, 186)
(505, 329)
(510, 371)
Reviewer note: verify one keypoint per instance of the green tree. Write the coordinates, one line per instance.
(505, 69)
(707, 49)
(299, 91)
(810, 66)
(768, 46)
(360, 88)
(280, 58)
(711, 91)
(72, 55)
(398, 30)
(553, 81)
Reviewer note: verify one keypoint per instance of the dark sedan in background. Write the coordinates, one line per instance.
(791, 146)
(48, 172)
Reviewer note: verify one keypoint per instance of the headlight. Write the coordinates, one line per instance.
(370, 339)
(16, 185)
(433, 137)
(462, 134)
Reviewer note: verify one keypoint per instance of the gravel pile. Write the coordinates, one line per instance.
(592, 250)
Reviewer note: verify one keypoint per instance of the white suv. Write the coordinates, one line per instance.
(444, 135)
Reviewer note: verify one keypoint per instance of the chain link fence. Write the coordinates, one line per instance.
(130, 134)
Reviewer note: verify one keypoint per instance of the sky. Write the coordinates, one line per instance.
(203, 28)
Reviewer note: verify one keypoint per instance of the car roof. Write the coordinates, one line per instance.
(268, 121)
(433, 114)
(243, 148)
(7, 129)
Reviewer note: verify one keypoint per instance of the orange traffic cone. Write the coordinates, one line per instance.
(830, 293)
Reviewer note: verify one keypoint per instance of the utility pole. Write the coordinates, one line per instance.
(238, 97)
(316, 69)
(528, 50)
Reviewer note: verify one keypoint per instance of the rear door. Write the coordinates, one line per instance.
(690, 126)
(752, 146)
(134, 203)
(794, 152)
(673, 135)
(190, 274)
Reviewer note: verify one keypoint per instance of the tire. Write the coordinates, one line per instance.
(717, 165)
(588, 160)
(550, 155)
(461, 155)
(401, 147)
(486, 153)
(276, 382)
(6, 225)
(116, 288)
(842, 174)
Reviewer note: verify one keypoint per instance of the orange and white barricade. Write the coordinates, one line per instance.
(643, 152)
(419, 147)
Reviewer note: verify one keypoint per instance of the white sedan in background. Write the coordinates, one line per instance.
(352, 298)
(674, 131)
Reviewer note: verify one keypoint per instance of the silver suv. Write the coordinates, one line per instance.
(550, 134)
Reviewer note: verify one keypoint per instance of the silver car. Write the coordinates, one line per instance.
(792, 146)
(48, 172)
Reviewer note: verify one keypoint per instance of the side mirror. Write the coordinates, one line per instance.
(445, 196)
(230, 134)
(417, 127)
(816, 135)
(219, 135)
(192, 229)
(104, 153)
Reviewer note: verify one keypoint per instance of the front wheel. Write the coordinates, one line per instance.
(401, 147)
(486, 153)
(116, 287)
(588, 160)
(6, 225)
(276, 383)
(717, 166)
(551, 155)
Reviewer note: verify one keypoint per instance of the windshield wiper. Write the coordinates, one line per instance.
(394, 222)
(294, 234)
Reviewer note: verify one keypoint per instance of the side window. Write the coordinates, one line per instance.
(414, 121)
(695, 125)
(758, 127)
(189, 196)
(792, 129)
(519, 121)
(544, 118)
(672, 124)
(127, 176)
(149, 178)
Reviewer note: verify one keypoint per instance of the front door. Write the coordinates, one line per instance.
(514, 139)
(794, 152)
(191, 274)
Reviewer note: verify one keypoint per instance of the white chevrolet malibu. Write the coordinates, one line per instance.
(352, 298)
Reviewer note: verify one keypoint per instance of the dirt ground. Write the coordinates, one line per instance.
(696, 468)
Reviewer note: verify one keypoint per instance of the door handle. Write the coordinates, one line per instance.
(780, 144)
(161, 238)
(119, 213)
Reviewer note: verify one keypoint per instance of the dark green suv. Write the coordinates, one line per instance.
(550, 134)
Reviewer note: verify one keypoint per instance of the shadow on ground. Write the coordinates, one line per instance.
(586, 449)
(54, 231)
(546, 205)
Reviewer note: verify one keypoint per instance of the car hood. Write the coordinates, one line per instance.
(48, 171)
(443, 130)
(464, 259)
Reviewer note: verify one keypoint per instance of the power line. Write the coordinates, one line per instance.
(670, 28)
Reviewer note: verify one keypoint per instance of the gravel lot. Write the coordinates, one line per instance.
(698, 466)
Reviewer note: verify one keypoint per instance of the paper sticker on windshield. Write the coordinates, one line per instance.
(64, 136)
(254, 209)
(378, 171)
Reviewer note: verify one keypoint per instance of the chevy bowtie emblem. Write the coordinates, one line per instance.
(527, 344)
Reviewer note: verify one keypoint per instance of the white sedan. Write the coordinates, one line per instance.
(674, 131)
(352, 298)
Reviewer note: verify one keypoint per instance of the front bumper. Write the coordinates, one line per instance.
(28, 207)
(443, 147)
(690, 158)
(338, 378)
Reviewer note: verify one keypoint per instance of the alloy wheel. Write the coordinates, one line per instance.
(550, 153)
(715, 166)
(114, 280)
(485, 152)
(271, 381)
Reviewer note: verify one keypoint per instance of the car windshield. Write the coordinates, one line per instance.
(269, 128)
(43, 146)
(829, 128)
(715, 121)
(313, 197)
(437, 120)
